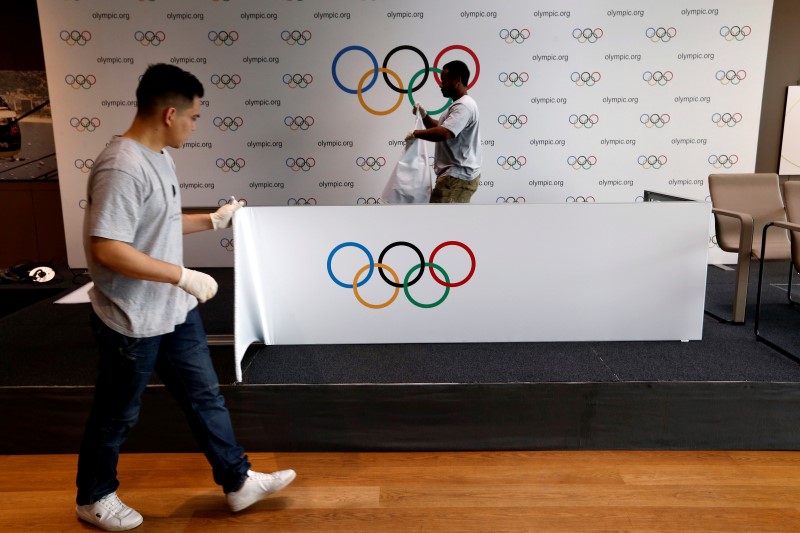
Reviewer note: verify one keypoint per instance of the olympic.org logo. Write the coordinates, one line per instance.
(368, 201)
(654, 120)
(407, 281)
(585, 78)
(730, 76)
(512, 121)
(424, 72)
(510, 200)
(300, 163)
(512, 79)
(511, 162)
(298, 123)
(225, 80)
(295, 37)
(301, 201)
(580, 199)
(228, 123)
(76, 37)
(230, 164)
(582, 162)
(227, 244)
(737, 33)
(584, 121)
(652, 161)
(515, 35)
(657, 77)
(147, 38)
(723, 161)
(661, 34)
(84, 123)
(223, 37)
(298, 80)
(367, 163)
(587, 35)
(84, 166)
(80, 81)
(726, 119)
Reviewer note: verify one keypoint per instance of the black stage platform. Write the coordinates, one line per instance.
(724, 392)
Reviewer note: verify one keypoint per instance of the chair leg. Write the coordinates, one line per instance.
(739, 294)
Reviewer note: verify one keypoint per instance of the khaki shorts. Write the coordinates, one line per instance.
(449, 190)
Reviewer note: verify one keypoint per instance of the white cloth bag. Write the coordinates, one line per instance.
(411, 180)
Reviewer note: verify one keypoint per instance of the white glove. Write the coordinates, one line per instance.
(221, 218)
(410, 137)
(418, 109)
(201, 286)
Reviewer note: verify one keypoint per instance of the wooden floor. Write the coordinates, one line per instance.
(439, 492)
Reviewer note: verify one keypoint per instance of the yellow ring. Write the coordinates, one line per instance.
(376, 306)
(399, 98)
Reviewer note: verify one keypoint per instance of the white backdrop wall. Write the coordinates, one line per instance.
(580, 100)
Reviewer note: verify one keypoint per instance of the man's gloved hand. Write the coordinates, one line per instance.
(410, 137)
(419, 110)
(201, 286)
(221, 218)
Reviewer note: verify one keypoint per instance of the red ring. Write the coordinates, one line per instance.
(467, 50)
(471, 270)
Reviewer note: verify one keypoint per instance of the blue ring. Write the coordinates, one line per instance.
(362, 248)
(355, 91)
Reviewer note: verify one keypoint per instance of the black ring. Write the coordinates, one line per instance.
(421, 261)
(421, 83)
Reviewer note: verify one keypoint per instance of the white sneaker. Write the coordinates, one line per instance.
(110, 514)
(257, 486)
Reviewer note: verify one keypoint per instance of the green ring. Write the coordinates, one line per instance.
(437, 302)
(411, 84)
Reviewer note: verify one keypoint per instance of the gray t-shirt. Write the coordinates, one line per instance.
(460, 157)
(134, 197)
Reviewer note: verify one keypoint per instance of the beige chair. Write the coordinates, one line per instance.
(742, 205)
(792, 198)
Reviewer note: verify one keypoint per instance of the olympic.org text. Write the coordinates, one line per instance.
(332, 16)
(405, 15)
(196, 185)
(487, 142)
(615, 183)
(335, 184)
(185, 16)
(695, 56)
(621, 100)
(479, 14)
(546, 183)
(111, 16)
(624, 13)
(259, 16)
(692, 99)
(684, 183)
(332, 144)
(115, 60)
(548, 100)
(261, 59)
(687, 142)
(489, 183)
(548, 142)
(550, 57)
(266, 185)
(118, 103)
(551, 14)
(618, 142)
(187, 60)
(265, 144)
(262, 103)
(193, 144)
(623, 57)
(698, 12)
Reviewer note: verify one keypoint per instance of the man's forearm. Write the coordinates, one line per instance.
(124, 259)
(196, 222)
(435, 134)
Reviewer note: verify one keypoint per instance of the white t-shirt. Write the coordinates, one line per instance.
(460, 157)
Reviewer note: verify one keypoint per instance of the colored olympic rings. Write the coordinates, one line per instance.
(146, 38)
(657, 77)
(298, 80)
(411, 87)
(661, 34)
(584, 121)
(301, 201)
(734, 32)
(730, 76)
(374, 163)
(515, 35)
(652, 161)
(581, 161)
(295, 37)
(477, 73)
(227, 244)
(80, 81)
(230, 164)
(76, 37)
(509, 121)
(587, 35)
(225, 80)
(228, 123)
(298, 123)
(510, 200)
(84, 166)
(411, 96)
(580, 199)
(368, 201)
(511, 162)
(301, 163)
(585, 78)
(361, 96)
(84, 123)
(223, 37)
(726, 119)
(659, 121)
(512, 78)
(723, 161)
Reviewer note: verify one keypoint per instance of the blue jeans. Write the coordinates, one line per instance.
(126, 364)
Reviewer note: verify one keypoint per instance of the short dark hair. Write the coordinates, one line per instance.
(165, 85)
(458, 69)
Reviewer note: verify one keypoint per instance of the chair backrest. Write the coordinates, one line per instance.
(791, 193)
(758, 195)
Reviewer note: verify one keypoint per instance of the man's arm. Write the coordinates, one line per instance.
(196, 222)
(434, 134)
(124, 259)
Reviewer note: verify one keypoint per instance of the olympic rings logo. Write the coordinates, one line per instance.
(652, 161)
(585, 78)
(726, 119)
(734, 32)
(654, 120)
(584, 121)
(657, 77)
(424, 72)
(76, 37)
(83, 203)
(295, 37)
(582, 162)
(723, 161)
(225, 80)
(297, 80)
(407, 281)
(147, 38)
(712, 242)
(368, 201)
(580, 199)
(301, 163)
(80, 81)
(227, 244)
(298, 123)
(730, 76)
(230, 164)
(661, 34)
(510, 200)
(228, 123)
(84, 166)
(510, 79)
(512, 121)
(223, 37)
(374, 163)
(587, 35)
(511, 162)
(84, 123)
(301, 201)
(515, 35)
(224, 201)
